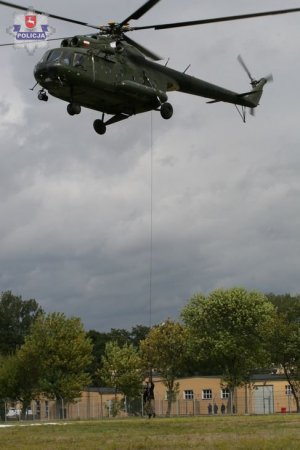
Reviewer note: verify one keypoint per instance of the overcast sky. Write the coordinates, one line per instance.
(76, 206)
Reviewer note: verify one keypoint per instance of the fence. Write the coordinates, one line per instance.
(261, 400)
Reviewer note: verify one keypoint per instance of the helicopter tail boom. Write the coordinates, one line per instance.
(195, 86)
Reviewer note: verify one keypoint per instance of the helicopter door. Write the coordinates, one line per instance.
(84, 64)
(79, 61)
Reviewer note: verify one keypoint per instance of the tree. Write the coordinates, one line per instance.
(164, 349)
(284, 347)
(99, 341)
(228, 328)
(16, 318)
(120, 337)
(9, 386)
(284, 344)
(287, 305)
(122, 369)
(55, 356)
(14, 384)
(138, 334)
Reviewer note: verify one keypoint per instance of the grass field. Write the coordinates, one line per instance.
(223, 432)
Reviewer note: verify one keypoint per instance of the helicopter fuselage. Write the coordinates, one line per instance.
(105, 80)
(112, 73)
(114, 77)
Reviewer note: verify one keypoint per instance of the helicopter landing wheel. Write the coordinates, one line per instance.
(99, 126)
(42, 95)
(73, 108)
(166, 111)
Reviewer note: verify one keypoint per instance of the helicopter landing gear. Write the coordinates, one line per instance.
(42, 95)
(73, 108)
(166, 110)
(99, 126)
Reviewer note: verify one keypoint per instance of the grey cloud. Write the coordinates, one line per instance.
(75, 207)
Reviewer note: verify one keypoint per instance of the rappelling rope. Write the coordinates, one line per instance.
(151, 219)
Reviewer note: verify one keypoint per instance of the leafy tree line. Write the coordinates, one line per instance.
(120, 337)
(16, 317)
(51, 354)
(229, 332)
(40, 354)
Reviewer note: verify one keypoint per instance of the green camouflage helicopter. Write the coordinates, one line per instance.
(109, 72)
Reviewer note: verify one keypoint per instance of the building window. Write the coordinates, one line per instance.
(225, 393)
(206, 394)
(288, 390)
(188, 394)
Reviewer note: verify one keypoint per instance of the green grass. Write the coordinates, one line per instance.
(276, 432)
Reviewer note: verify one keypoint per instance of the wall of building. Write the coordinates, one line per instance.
(266, 394)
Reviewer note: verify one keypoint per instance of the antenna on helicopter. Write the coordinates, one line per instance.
(187, 68)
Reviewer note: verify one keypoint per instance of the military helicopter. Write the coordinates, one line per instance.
(109, 72)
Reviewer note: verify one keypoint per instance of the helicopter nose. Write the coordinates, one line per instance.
(45, 74)
(39, 72)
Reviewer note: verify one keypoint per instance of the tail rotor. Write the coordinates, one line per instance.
(253, 81)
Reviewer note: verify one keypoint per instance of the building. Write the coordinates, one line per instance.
(266, 394)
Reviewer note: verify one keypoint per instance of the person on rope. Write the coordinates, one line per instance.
(148, 398)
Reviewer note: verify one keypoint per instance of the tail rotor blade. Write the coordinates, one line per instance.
(242, 62)
(269, 78)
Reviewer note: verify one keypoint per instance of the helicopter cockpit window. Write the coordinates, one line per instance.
(66, 58)
(78, 60)
(55, 55)
(45, 56)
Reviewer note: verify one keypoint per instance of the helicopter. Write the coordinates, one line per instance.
(111, 73)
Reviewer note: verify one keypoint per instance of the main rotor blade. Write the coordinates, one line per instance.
(24, 43)
(144, 50)
(139, 12)
(53, 16)
(217, 19)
